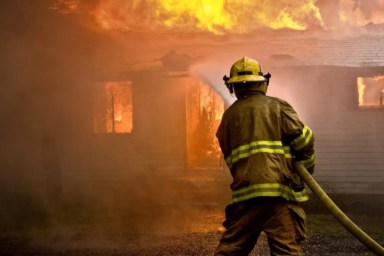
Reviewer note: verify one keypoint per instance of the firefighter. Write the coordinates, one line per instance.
(260, 137)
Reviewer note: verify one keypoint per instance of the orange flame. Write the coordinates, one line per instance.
(225, 16)
(216, 16)
(360, 90)
(113, 107)
(370, 91)
(204, 109)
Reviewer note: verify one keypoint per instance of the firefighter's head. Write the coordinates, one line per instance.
(246, 75)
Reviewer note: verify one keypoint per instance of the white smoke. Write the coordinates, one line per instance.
(212, 72)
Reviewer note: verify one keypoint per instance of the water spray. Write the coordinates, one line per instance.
(207, 73)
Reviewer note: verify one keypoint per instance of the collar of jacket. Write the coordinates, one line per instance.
(250, 93)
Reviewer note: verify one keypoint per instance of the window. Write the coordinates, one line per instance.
(371, 92)
(113, 107)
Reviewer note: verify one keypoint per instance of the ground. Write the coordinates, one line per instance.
(193, 232)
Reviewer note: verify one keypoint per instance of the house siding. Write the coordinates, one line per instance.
(349, 141)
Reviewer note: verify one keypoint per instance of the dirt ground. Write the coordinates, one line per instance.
(163, 244)
(194, 232)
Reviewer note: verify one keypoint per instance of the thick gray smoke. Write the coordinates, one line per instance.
(47, 177)
(213, 72)
(46, 60)
(337, 14)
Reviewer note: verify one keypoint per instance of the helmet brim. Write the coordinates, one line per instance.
(246, 79)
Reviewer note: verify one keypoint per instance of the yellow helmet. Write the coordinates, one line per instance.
(246, 70)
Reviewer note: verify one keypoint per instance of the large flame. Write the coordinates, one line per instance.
(225, 16)
(216, 16)
(222, 16)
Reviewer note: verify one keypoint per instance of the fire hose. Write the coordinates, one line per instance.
(337, 213)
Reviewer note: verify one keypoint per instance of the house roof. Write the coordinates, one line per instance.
(362, 47)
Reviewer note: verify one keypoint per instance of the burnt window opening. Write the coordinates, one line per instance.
(204, 111)
(113, 107)
(370, 92)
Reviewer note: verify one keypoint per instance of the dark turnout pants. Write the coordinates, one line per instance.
(283, 222)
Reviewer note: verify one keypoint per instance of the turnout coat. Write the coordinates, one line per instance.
(260, 137)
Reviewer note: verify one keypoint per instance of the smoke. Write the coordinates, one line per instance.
(350, 13)
(212, 71)
(284, 84)
(54, 172)
(215, 67)
(46, 67)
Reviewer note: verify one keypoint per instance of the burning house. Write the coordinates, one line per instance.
(103, 99)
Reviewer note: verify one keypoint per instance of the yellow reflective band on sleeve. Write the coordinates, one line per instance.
(303, 139)
(287, 152)
(244, 151)
(271, 190)
(309, 162)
